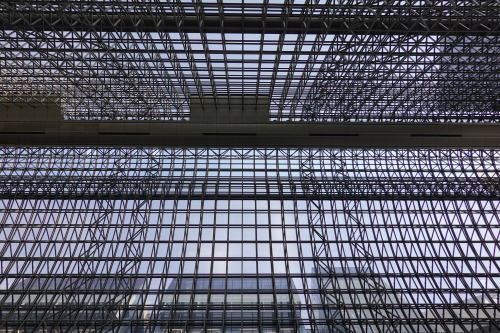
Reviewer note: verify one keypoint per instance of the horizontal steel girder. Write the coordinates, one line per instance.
(129, 173)
(87, 187)
(273, 134)
(234, 23)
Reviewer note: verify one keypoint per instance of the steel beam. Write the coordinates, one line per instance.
(43, 125)
(273, 134)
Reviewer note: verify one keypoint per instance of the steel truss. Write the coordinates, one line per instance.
(412, 85)
(128, 267)
(91, 173)
(339, 310)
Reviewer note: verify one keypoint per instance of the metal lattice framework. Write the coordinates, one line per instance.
(408, 78)
(341, 60)
(374, 174)
(433, 257)
(337, 307)
(96, 236)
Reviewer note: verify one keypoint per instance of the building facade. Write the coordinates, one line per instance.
(75, 305)
(233, 304)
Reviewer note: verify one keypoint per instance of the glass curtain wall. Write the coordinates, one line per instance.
(233, 240)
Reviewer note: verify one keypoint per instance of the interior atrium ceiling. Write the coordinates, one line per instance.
(275, 166)
(404, 61)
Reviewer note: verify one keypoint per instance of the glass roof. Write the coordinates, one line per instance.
(337, 61)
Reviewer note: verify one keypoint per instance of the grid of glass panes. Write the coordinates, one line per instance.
(188, 258)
